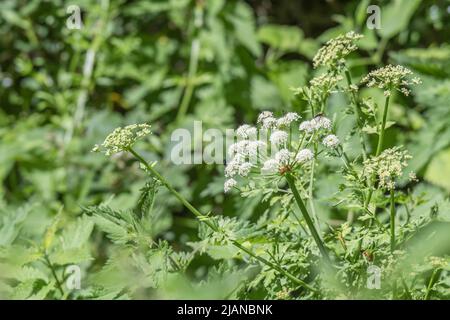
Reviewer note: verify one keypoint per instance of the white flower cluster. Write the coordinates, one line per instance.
(229, 184)
(267, 120)
(304, 155)
(319, 89)
(315, 124)
(331, 141)
(325, 82)
(391, 78)
(249, 148)
(246, 132)
(388, 166)
(287, 119)
(279, 137)
(335, 50)
(123, 138)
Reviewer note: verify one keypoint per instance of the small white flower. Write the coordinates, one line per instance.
(254, 146)
(269, 123)
(244, 169)
(331, 141)
(306, 126)
(123, 138)
(233, 166)
(270, 166)
(240, 147)
(264, 115)
(287, 119)
(231, 169)
(246, 131)
(229, 184)
(241, 132)
(304, 155)
(321, 122)
(278, 137)
(283, 156)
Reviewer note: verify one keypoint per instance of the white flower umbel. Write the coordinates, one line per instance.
(391, 78)
(331, 141)
(304, 155)
(270, 166)
(269, 123)
(264, 115)
(287, 119)
(335, 50)
(255, 146)
(283, 156)
(244, 169)
(279, 137)
(306, 126)
(321, 122)
(388, 166)
(233, 166)
(315, 124)
(239, 148)
(229, 184)
(246, 132)
(121, 139)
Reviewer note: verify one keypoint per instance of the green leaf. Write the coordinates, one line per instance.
(11, 222)
(147, 199)
(438, 171)
(71, 256)
(120, 226)
(284, 38)
(395, 17)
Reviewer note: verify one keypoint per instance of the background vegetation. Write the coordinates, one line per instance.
(168, 63)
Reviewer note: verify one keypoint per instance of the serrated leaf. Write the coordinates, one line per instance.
(146, 200)
(119, 226)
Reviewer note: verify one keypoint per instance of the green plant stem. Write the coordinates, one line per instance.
(430, 284)
(202, 219)
(383, 127)
(53, 271)
(379, 146)
(193, 63)
(357, 112)
(311, 189)
(291, 181)
(392, 215)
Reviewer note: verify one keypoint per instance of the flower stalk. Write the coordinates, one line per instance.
(383, 127)
(392, 217)
(291, 181)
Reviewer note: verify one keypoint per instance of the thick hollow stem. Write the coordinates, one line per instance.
(200, 216)
(432, 281)
(291, 181)
(383, 127)
(379, 146)
(392, 215)
(311, 189)
(359, 123)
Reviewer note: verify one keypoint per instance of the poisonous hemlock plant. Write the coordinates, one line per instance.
(299, 253)
(292, 249)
